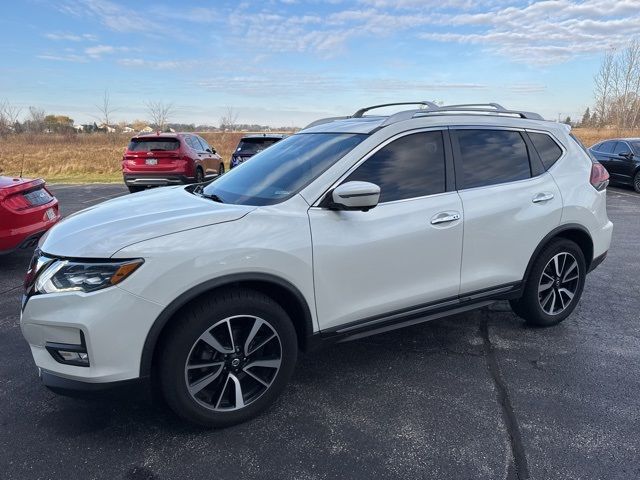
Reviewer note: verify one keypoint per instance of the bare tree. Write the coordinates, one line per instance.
(35, 121)
(160, 113)
(617, 87)
(106, 109)
(8, 115)
(603, 85)
(229, 119)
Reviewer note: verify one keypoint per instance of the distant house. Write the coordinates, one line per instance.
(128, 129)
(79, 128)
(106, 128)
(147, 129)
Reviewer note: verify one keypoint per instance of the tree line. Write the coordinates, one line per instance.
(617, 90)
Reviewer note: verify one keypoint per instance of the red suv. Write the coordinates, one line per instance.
(167, 159)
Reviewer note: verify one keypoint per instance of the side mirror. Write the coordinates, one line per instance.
(211, 150)
(355, 196)
(626, 154)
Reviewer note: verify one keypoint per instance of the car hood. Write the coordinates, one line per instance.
(102, 230)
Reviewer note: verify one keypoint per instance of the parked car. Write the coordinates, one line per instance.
(621, 158)
(376, 223)
(27, 211)
(250, 145)
(168, 159)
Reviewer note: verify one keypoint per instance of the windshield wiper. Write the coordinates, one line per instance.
(213, 197)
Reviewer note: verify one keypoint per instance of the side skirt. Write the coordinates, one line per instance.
(414, 315)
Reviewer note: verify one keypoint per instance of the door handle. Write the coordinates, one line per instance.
(542, 197)
(445, 217)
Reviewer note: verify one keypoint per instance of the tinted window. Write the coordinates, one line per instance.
(607, 147)
(489, 157)
(547, 148)
(193, 143)
(203, 145)
(636, 147)
(283, 170)
(622, 147)
(153, 144)
(251, 146)
(412, 166)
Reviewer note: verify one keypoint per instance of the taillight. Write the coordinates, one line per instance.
(599, 176)
(16, 202)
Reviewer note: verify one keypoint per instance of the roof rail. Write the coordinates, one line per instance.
(324, 120)
(491, 108)
(362, 111)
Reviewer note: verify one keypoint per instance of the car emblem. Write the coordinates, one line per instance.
(149, 153)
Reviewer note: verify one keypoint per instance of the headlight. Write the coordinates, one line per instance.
(75, 276)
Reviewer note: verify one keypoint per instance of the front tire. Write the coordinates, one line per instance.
(554, 285)
(636, 182)
(227, 358)
(135, 189)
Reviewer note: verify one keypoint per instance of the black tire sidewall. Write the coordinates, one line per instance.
(203, 315)
(529, 305)
(636, 183)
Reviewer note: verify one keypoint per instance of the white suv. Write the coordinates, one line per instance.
(353, 226)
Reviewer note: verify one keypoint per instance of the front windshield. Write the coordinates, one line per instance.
(283, 169)
(636, 147)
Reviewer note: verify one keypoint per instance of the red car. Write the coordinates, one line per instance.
(27, 211)
(167, 159)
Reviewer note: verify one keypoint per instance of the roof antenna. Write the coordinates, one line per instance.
(22, 166)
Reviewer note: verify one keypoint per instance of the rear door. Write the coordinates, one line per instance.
(202, 155)
(403, 253)
(509, 203)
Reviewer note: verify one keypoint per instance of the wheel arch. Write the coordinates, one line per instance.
(282, 291)
(571, 231)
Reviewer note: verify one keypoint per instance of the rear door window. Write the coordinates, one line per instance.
(490, 157)
(153, 144)
(607, 147)
(547, 148)
(193, 143)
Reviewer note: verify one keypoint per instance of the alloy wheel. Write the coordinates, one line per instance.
(233, 363)
(558, 283)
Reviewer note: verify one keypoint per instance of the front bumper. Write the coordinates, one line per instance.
(155, 179)
(114, 324)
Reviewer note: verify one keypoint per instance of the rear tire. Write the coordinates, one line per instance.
(199, 175)
(554, 285)
(227, 357)
(221, 169)
(636, 182)
(135, 189)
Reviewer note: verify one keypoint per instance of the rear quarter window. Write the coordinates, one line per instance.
(153, 144)
(548, 150)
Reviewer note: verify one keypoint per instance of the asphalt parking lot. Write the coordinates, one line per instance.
(476, 396)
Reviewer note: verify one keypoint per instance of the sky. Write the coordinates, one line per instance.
(289, 62)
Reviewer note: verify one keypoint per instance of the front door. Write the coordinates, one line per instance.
(401, 254)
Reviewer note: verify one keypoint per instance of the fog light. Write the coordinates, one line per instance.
(69, 354)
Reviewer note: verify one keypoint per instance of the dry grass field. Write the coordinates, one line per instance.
(79, 158)
(96, 157)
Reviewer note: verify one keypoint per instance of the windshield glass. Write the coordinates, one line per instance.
(153, 144)
(636, 147)
(281, 171)
(251, 146)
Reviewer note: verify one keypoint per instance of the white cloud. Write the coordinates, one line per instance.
(71, 37)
